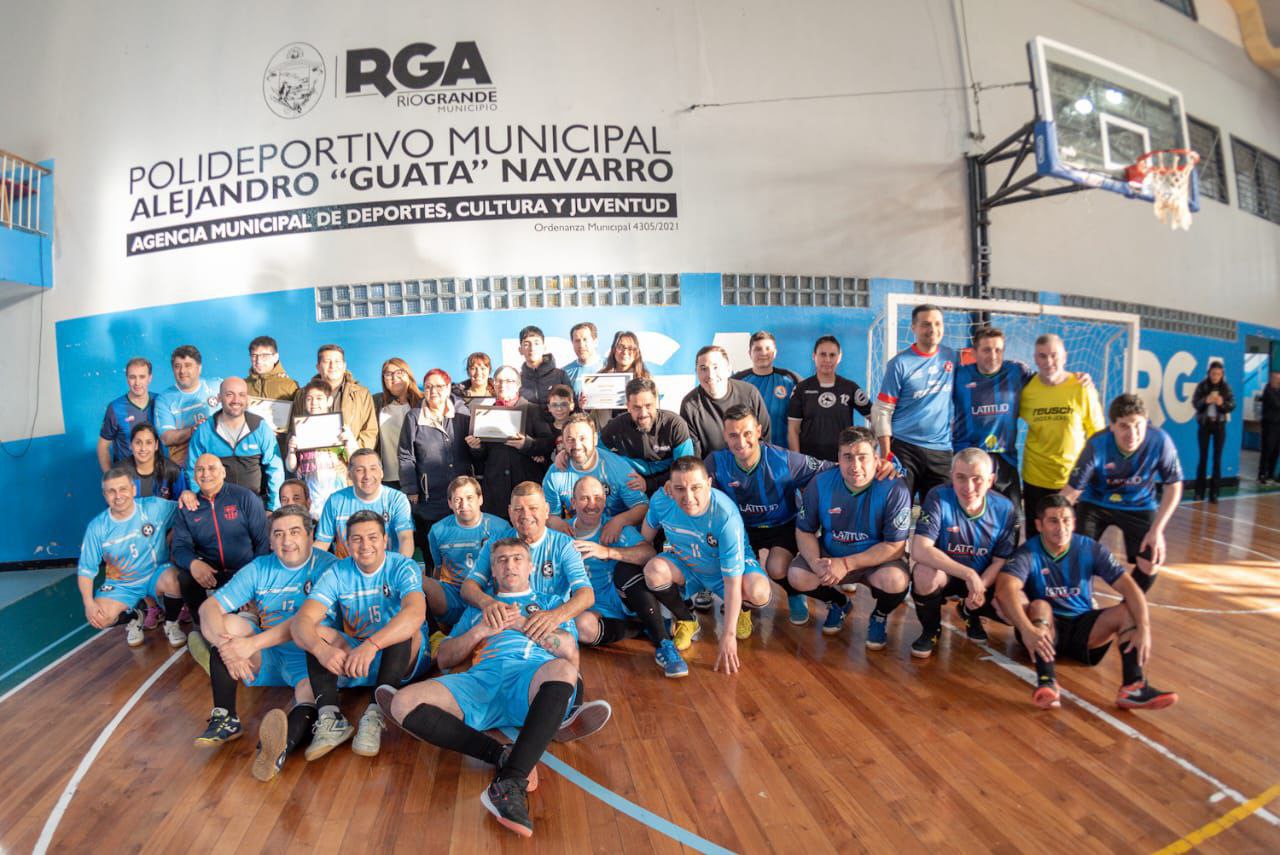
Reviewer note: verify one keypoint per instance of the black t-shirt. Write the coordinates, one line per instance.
(705, 415)
(824, 411)
(622, 436)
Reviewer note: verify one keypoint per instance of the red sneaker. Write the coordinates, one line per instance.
(1047, 697)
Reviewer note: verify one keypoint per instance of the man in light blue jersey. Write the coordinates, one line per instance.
(457, 542)
(852, 527)
(774, 383)
(184, 406)
(583, 336)
(234, 649)
(129, 538)
(911, 415)
(515, 680)
(1114, 484)
(376, 599)
(965, 534)
(626, 505)
(244, 442)
(706, 550)
(366, 493)
(559, 573)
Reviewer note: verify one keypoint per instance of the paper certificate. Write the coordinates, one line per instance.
(496, 424)
(274, 413)
(605, 391)
(319, 431)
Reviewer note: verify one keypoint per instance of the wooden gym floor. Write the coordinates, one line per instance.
(816, 746)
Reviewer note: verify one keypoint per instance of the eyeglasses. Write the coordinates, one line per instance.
(436, 388)
(626, 348)
(394, 373)
(559, 405)
(507, 381)
(265, 354)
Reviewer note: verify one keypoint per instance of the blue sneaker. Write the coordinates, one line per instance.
(877, 632)
(673, 664)
(835, 618)
(798, 606)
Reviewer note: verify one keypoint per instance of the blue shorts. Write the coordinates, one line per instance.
(695, 582)
(609, 604)
(495, 692)
(419, 669)
(130, 593)
(457, 605)
(282, 665)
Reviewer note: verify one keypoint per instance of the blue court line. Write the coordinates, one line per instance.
(618, 803)
(81, 628)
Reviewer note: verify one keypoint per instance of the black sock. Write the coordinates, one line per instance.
(301, 718)
(673, 598)
(193, 594)
(929, 610)
(785, 584)
(394, 666)
(629, 580)
(1143, 580)
(224, 685)
(1131, 670)
(830, 595)
(886, 602)
(434, 725)
(172, 607)
(126, 616)
(546, 712)
(324, 683)
(1045, 672)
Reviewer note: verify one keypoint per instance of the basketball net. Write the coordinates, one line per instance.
(1166, 174)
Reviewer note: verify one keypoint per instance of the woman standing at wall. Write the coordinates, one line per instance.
(1213, 402)
(432, 452)
(399, 395)
(478, 383)
(524, 457)
(624, 358)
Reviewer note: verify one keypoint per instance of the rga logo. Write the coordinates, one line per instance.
(294, 80)
(421, 66)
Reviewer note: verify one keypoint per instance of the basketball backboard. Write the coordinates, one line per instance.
(1095, 118)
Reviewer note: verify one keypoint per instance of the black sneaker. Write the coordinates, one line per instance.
(974, 630)
(1144, 696)
(223, 727)
(702, 601)
(922, 647)
(508, 801)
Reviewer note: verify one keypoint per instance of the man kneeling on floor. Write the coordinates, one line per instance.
(377, 596)
(1046, 591)
(231, 648)
(512, 682)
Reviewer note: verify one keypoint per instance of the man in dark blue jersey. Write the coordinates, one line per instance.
(135, 407)
(1114, 484)
(1046, 591)
(775, 384)
(965, 534)
(650, 437)
(764, 481)
(850, 528)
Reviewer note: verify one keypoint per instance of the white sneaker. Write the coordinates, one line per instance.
(328, 733)
(173, 632)
(133, 630)
(368, 739)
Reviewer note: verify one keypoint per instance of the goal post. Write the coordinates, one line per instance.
(1102, 343)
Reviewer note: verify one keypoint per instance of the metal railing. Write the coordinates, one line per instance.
(20, 182)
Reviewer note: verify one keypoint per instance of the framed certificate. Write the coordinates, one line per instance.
(274, 413)
(605, 391)
(317, 431)
(496, 424)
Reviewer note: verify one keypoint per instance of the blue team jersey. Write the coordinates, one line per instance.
(119, 421)
(276, 591)
(775, 388)
(558, 570)
(456, 548)
(611, 469)
(986, 409)
(710, 545)
(1107, 477)
(363, 602)
(512, 644)
(971, 541)
(133, 549)
(600, 571)
(1066, 581)
(575, 371)
(177, 409)
(768, 495)
(390, 504)
(919, 389)
(854, 522)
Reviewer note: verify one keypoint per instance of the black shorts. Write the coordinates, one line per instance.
(957, 589)
(767, 537)
(1071, 637)
(1031, 496)
(925, 468)
(1008, 481)
(1092, 520)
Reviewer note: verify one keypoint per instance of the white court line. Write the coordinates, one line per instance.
(1237, 519)
(1231, 545)
(51, 824)
(1262, 611)
(55, 663)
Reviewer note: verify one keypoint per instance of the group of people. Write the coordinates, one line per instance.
(413, 545)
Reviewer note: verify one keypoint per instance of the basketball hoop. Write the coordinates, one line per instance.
(1166, 174)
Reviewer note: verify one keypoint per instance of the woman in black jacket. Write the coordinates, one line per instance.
(1213, 403)
(433, 451)
(523, 457)
(153, 473)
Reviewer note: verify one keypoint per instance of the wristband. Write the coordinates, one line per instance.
(374, 643)
(888, 455)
